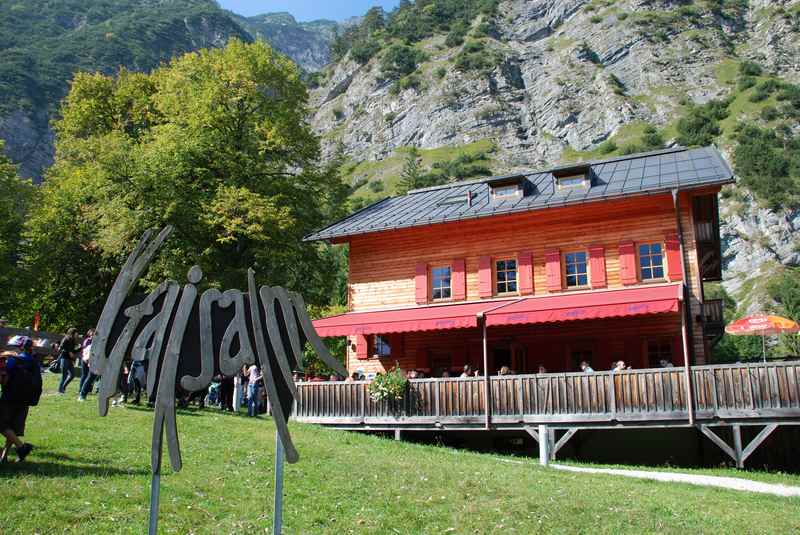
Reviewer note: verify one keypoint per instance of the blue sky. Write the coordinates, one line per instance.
(305, 10)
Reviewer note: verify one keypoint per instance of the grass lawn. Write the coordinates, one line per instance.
(90, 475)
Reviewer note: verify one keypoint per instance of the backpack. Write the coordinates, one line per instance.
(24, 384)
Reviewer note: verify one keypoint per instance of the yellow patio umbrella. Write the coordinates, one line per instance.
(762, 325)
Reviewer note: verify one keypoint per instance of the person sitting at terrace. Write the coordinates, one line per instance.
(664, 363)
(412, 374)
(467, 371)
(542, 369)
(505, 370)
(333, 378)
(585, 367)
(618, 366)
(445, 374)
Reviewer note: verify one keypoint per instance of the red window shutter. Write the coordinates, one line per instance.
(362, 347)
(485, 276)
(458, 280)
(674, 267)
(553, 270)
(525, 273)
(597, 266)
(421, 283)
(627, 263)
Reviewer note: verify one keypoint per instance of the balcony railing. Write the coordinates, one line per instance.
(737, 391)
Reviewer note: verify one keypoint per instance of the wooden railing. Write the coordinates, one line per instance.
(650, 395)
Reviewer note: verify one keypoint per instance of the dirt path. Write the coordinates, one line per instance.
(732, 483)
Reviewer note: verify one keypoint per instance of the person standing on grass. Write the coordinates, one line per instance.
(87, 377)
(22, 388)
(69, 350)
(253, 377)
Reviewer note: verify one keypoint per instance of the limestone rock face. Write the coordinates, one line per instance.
(568, 77)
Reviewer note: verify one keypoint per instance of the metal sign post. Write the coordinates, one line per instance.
(278, 518)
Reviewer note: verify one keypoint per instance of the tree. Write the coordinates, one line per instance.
(17, 195)
(215, 143)
(785, 290)
(412, 176)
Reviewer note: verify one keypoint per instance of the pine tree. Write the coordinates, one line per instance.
(412, 176)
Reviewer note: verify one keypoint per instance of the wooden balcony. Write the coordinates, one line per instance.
(744, 393)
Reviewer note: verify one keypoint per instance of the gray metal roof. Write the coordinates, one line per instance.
(635, 174)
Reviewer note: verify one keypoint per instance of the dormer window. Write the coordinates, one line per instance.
(573, 177)
(506, 192)
(507, 188)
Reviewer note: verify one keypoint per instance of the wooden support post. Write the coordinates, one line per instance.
(687, 312)
(562, 441)
(398, 435)
(737, 445)
(487, 393)
(756, 442)
(544, 445)
(532, 432)
(718, 441)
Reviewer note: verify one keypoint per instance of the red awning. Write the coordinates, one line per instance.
(589, 305)
(431, 318)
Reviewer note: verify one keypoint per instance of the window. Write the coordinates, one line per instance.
(506, 274)
(382, 347)
(658, 350)
(575, 268)
(505, 192)
(440, 282)
(651, 261)
(572, 181)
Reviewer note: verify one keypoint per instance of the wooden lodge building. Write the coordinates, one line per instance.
(600, 262)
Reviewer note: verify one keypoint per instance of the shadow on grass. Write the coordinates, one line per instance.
(36, 467)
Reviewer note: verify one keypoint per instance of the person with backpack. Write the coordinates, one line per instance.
(22, 388)
(69, 351)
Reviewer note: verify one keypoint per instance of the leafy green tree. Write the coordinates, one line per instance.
(17, 196)
(400, 60)
(215, 143)
(768, 162)
(785, 290)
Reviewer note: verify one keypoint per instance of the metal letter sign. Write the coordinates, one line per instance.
(187, 342)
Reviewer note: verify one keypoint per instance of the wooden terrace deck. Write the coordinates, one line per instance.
(731, 394)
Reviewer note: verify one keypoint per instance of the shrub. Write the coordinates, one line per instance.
(390, 117)
(745, 83)
(440, 72)
(750, 68)
(701, 124)
(596, 19)
(607, 147)
(376, 186)
(768, 162)
(770, 113)
(362, 51)
(389, 386)
(400, 60)
(455, 37)
(585, 52)
(764, 90)
(622, 16)
(338, 113)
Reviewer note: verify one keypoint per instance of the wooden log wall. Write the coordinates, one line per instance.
(734, 391)
(382, 265)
